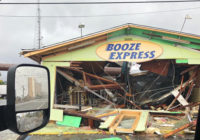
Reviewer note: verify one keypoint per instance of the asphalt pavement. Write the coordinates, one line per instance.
(32, 105)
(8, 135)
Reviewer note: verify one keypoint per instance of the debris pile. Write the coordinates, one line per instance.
(158, 97)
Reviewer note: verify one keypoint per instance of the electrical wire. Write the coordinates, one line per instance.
(153, 82)
(101, 82)
(96, 2)
(91, 16)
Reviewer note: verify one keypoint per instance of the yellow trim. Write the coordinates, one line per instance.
(78, 40)
(106, 32)
(68, 133)
(164, 31)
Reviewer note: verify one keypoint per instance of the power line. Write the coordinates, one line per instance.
(90, 16)
(96, 2)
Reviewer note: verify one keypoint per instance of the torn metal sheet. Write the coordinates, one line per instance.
(160, 67)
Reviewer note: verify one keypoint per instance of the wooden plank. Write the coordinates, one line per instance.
(105, 86)
(77, 83)
(168, 116)
(93, 76)
(188, 69)
(129, 114)
(108, 114)
(111, 128)
(142, 124)
(177, 94)
(107, 123)
(100, 78)
(180, 98)
(124, 113)
(182, 88)
(179, 129)
(182, 107)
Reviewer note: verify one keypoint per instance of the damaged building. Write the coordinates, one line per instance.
(164, 75)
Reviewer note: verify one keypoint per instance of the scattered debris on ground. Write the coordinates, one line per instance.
(158, 98)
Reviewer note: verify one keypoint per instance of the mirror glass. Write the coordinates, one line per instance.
(29, 120)
(31, 88)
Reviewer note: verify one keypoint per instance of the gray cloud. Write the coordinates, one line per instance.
(18, 33)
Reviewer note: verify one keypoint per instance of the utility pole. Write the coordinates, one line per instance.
(39, 23)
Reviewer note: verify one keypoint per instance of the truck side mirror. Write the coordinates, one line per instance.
(28, 98)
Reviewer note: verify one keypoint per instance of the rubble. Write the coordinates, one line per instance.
(127, 98)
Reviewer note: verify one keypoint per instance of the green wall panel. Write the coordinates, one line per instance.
(55, 114)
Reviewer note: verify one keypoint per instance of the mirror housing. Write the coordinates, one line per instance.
(30, 113)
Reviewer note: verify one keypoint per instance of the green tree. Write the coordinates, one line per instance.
(1, 81)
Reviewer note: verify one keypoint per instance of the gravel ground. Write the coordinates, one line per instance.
(8, 135)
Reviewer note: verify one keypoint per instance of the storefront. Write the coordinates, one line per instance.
(163, 54)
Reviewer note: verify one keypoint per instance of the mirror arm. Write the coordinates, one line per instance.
(3, 125)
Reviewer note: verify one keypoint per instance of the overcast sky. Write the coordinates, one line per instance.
(21, 32)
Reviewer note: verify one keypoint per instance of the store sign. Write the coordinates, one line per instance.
(137, 51)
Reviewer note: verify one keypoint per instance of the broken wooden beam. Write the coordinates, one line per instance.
(182, 107)
(193, 123)
(100, 78)
(91, 91)
(188, 69)
(169, 116)
(77, 83)
(104, 86)
(108, 114)
(68, 77)
(182, 88)
(125, 115)
(92, 75)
